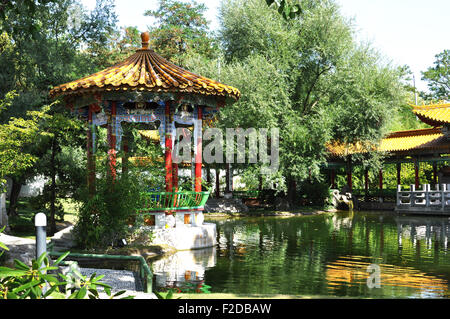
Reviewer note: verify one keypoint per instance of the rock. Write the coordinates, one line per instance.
(282, 204)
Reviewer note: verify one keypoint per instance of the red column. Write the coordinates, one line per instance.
(198, 154)
(112, 142)
(168, 153)
(416, 173)
(90, 158)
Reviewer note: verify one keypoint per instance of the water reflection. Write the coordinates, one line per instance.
(325, 255)
(424, 228)
(183, 267)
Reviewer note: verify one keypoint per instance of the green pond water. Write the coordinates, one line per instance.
(331, 254)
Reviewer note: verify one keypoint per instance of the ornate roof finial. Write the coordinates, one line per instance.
(145, 36)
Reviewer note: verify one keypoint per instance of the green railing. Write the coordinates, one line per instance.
(145, 272)
(166, 201)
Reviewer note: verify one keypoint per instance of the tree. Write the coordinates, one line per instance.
(438, 77)
(180, 29)
(289, 9)
(320, 80)
(15, 137)
(66, 42)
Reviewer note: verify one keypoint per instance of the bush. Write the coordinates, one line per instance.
(104, 217)
(315, 194)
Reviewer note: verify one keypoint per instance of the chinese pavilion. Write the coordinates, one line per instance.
(430, 145)
(146, 88)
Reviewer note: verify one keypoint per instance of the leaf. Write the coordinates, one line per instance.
(7, 272)
(20, 264)
(82, 293)
(60, 258)
(50, 291)
(41, 259)
(3, 246)
(28, 285)
(117, 294)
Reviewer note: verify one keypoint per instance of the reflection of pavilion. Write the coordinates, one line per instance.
(187, 266)
(419, 228)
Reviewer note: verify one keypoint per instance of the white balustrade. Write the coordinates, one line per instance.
(427, 199)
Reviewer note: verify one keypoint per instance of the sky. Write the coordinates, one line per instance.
(405, 32)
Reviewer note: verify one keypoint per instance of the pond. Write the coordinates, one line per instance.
(334, 254)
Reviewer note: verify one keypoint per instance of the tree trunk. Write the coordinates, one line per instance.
(16, 186)
(292, 186)
(3, 215)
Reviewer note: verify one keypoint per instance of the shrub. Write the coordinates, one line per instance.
(104, 217)
(316, 193)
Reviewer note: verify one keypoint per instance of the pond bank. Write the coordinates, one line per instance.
(304, 211)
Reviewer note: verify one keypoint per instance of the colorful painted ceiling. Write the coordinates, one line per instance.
(422, 139)
(433, 114)
(148, 72)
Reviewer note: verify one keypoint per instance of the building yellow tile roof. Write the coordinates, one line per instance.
(429, 138)
(434, 114)
(146, 71)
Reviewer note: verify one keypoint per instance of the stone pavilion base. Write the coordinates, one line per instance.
(186, 236)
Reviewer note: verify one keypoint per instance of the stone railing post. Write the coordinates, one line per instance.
(412, 190)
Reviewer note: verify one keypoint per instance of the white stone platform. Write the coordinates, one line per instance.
(186, 236)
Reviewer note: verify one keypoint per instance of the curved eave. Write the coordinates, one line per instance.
(434, 115)
(412, 140)
(146, 71)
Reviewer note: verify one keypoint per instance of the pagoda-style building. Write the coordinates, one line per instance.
(146, 88)
(430, 145)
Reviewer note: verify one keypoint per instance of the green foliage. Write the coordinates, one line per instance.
(314, 193)
(104, 216)
(16, 136)
(181, 28)
(33, 282)
(308, 77)
(438, 77)
(288, 9)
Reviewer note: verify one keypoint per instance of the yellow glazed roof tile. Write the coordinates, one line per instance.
(394, 142)
(434, 114)
(146, 71)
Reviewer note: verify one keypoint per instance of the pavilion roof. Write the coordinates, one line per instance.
(145, 71)
(433, 114)
(429, 138)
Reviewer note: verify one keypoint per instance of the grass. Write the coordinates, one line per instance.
(23, 224)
